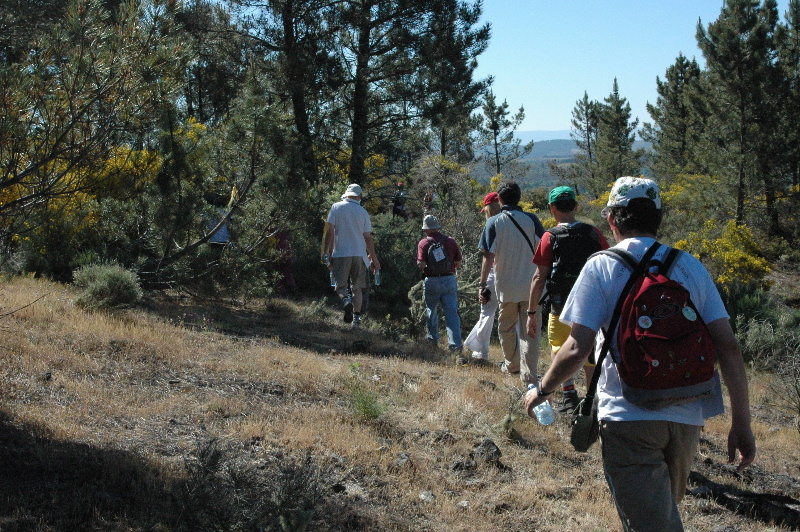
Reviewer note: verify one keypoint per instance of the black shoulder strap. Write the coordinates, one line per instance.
(627, 259)
(669, 261)
(637, 271)
(528, 240)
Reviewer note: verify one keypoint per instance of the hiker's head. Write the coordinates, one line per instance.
(509, 193)
(634, 206)
(562, 199)
(353, 191)
(430, 224)
(491, 204)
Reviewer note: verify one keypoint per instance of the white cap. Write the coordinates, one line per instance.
(627, 188)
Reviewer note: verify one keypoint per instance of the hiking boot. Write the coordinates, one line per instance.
(477, 355)
(356, 322)
(504, 369)
(569, 402)
(348, 310)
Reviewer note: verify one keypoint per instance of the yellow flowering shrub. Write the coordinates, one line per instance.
(731, 256)
(126, 171)
(600, 202)
(548, 222)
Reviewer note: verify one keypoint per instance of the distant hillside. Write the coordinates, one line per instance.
(553, 149)
(537, 136)
(558, 150)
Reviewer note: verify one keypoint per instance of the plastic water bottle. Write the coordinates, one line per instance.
(326, 260)
(377, 278)
(544, 412)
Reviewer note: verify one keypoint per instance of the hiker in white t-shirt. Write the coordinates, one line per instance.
(647, 453)
(350, 247)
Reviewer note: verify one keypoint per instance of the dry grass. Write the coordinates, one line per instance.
(179, 416)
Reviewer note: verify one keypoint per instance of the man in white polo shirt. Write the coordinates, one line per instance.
(349, 244)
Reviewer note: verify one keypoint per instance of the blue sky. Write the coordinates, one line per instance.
(545, 53)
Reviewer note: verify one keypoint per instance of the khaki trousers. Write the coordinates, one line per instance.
(647, 464)
(521, 352)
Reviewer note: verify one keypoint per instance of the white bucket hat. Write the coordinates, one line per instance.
(431, 222)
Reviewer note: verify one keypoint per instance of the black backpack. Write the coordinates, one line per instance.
(572, 246)
(437, 263)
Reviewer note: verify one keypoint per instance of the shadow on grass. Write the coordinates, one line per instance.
(769, 508)
(53, 485)
(50, 485)
(280, 321)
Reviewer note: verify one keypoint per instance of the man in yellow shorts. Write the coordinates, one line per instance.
(560, 255)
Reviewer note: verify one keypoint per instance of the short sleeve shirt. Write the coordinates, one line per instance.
(513, 257)
(544, 251)
(591, 303)
(350, 221)
(448, 244)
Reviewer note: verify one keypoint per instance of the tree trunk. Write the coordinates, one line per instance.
(360, 120)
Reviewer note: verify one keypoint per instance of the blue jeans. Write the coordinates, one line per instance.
(443, 290)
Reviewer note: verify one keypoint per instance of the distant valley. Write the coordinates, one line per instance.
(549, 146)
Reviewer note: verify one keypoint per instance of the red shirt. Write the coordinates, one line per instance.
(544, 251)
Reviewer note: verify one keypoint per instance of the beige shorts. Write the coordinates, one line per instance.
(349, 268)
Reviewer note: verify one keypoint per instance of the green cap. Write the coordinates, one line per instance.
(561, 193)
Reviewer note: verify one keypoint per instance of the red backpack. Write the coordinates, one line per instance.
(666, 353)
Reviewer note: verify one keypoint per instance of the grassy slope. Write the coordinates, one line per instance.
(180, 416)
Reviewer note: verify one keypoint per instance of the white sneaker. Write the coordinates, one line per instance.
(480, 356)
(356, 322)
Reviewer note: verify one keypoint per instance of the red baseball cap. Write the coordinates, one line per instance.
(491, 197)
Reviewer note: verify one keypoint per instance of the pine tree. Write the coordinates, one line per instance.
(743, 132)
(445, 85)
(787, 37)
(616, 133)
(677, 121)
(585, 119)
(497, 137)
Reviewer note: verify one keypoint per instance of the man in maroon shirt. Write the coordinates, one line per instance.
(438, 256)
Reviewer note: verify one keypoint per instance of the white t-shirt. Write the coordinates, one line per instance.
(591, 304)
(350, 221)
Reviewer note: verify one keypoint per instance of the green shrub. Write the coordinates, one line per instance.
(106, 286)
(363, 399)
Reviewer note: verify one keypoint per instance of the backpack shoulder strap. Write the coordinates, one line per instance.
(528, 240)
(625, 257)
(669, 261)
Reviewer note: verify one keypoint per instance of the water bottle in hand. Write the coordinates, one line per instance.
(377, 277)
(544, 412)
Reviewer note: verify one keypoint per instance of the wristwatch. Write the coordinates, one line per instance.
(540, 393)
